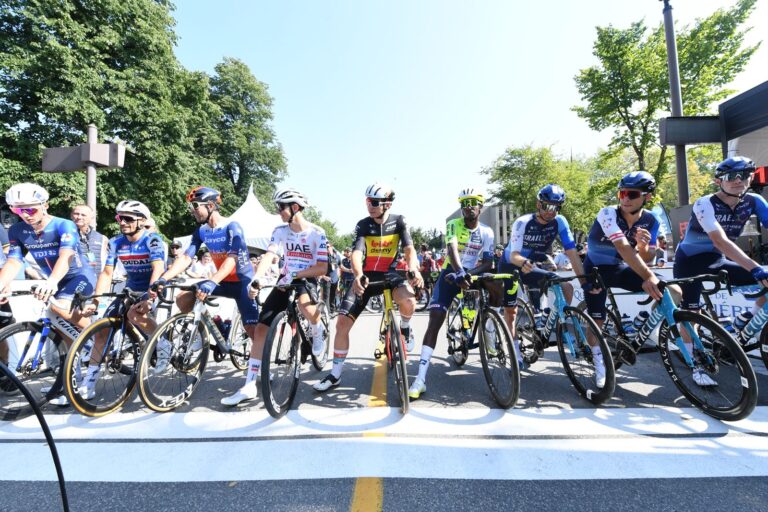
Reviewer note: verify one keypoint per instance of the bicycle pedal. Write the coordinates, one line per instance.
(627, 357)
(377, 354)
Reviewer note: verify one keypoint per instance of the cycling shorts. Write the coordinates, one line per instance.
(352, 305)
(238, 290)
(69, 286)
(277, 300)
(532, 280)
(614, 276)
(706, 263)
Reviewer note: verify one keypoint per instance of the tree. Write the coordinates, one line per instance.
(628, 90)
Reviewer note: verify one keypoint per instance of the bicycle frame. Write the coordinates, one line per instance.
(556, 314)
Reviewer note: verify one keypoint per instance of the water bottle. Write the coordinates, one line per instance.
(639, 320)
(742, 319)
(727, 323)
(539, 321)
(219, 323)
(225, 327)
(626, 324)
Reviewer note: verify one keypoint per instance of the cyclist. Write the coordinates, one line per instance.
(469, 245)
(378, 238)
(304, 248)
(225, 241)
(621, 245)
(142, 254)
(531, 237)
(54, 244)
(717, 220)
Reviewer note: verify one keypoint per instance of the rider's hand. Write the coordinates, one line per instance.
(651, 287)
(5, 289)
(253, 289)
(589, 287)
(418, 280)
(359, 285)
(157, 286)
(286, 279)
(527, 266)
(760, 275)
(45, 290)
(460, 279)
(89, 309)
(205, 288)
(643, 238)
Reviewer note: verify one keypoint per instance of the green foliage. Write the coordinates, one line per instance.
(432, 238)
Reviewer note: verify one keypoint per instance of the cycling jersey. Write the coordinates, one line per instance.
(710, 211)
(610, 226)
(136, 257)
(532, 239)
(475, 245)
(299, 250)
(226, 239)
(58, 234)
(381, 242)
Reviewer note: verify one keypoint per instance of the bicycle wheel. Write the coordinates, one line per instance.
(375, 304)
(280, 366)
(173, 362)
(764, 345)
(116, 378)
(733, 395)
(531, 344)
(498, 358)
(578, 358)
(240, 343)
(424, 296)
(325, 319)
(396, 357)
(35, 372)
(458, 337)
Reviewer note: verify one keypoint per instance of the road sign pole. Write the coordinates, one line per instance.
(90, 173)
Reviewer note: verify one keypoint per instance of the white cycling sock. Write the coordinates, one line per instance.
(405, 323)
(254, 368)
(338, 362)
(93, 373)
(426, 355)
(597, 351)
(318, 330)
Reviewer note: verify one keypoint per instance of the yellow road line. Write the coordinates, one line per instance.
(379, 387)
(368, 495)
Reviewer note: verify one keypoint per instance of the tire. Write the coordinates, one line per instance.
(735, 396)
(531, 344)
(458, 337)
(764, 345)
(424, 297)
(13, 405)
(397, 360)
(325, 318)
(119, 367)
(240, 342)
(578, 364)
(280, 366)
(168, 389)
(498, 357)
(611, 335)
(375, 304)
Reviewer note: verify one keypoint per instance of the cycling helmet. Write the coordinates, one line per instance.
(26, 193)
(204, 194)
(551, 194)
(471, 193)
(134, 208)
(640, 180)
(734, 164)
(380, 191)
(290, 196)
(499, 247)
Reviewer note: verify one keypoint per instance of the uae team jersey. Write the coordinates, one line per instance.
(136, 257)
(532, 239)
(474, 244)
(381, 242)
(611, 226)
(299, 250)
(226, 239)
(44, 248)
(710, 211)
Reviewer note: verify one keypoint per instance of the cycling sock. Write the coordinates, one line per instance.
(254, 365)
(755, 309)
(518, 350)
(405, 323)
(426, 355)
(338, 362)
(597, 351)
(93, 373)
(318, 330)
(689, 348)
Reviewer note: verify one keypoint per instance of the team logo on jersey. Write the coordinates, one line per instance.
(66, 237)
(154, 243)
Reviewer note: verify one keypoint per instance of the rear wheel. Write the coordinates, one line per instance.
(397, 361)
(240, 343)
(531, 344)
(458, 337)
(764, 345)
(498, 358)
(424, 295)
(280, 367)
(325, 319)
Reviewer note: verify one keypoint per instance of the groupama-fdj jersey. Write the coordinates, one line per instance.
(226, 239)
(611, 226)
(532, 239)
(474, 244)
(381, 242)
(299, 250)
(136, 257)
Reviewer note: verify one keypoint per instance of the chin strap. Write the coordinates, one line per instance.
(733, 195)
(384, 211)
(201, 222)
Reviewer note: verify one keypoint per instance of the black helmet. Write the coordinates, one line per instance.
(204, 194)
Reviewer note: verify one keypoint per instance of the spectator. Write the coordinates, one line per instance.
(204, 268)
(92, 243)
(175, 250)
(498, 252)
(562, 262)
(661, 250)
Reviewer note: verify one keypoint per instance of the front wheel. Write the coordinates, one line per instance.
(531, 344)
(280, 367)
(458, 336)
(240, 343)
(375, 304)
(325, 320)
(727, 387)
(579, 359)
(396, 354)
(498, 358)
(425, 294)
(764, 345)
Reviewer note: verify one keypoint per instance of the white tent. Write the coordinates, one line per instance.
(256, 222)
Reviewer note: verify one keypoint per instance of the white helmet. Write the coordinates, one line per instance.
(289, 196)
(134, 208)
(471, 193)
(380, 191)
(26, 193)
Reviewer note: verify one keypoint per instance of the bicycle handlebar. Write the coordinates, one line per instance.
(387, 282)
(185, 288)
(717, 279)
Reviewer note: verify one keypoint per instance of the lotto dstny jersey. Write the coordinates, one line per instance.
(532, 239)
(299, 250)
(136, 257)
(710, 211)
(611, 226)
(474, 244)
(226, 239)
(381, 242)
(58, 234)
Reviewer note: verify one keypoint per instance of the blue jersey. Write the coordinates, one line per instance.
(710, 211)
(532, 239)
(611, 226)
(44, 248)
(136, 257)
(226, 239)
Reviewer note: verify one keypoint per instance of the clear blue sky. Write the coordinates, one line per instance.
(419, 94)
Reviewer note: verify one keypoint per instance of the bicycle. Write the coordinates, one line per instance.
(375, 304)
(469, 310)
(714, 352)
(119, 356)
(424, 295)
(36, 351)
(184, 342)
(578, 358)
(286, 348)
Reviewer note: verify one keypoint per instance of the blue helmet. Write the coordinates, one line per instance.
(551, 194)
(734, 164)
(640, 180)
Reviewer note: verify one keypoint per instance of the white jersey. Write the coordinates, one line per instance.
(299, 250)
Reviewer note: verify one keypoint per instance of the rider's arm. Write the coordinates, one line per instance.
(61, 267)
(180, 264)
(731, 251)
(357, 263)
(226, 268)
(632, 258)
(8, 272)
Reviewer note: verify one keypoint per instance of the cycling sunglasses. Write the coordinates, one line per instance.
(631, 194)
(549, 207)
(732, 176)
(281, 206)
(25, 211)
(471, 203)
(125, 218)
(376, 202)
(194, 205)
